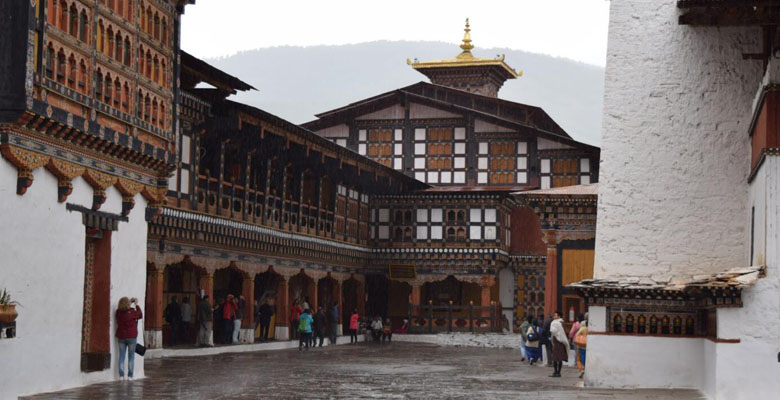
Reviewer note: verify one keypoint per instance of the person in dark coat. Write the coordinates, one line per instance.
(265, 313)
(320, 326)
(545, 339)
(172, 316)
(204, 317)
(218, 321)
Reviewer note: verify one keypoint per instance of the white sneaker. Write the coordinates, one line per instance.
(129, 378)
(121, 378)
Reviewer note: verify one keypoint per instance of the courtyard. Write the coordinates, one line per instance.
(397, 370)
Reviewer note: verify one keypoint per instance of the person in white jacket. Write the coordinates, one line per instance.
(560, 344)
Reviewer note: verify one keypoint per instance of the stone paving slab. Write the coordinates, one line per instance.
(364, 371)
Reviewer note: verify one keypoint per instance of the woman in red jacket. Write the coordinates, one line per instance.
(127, 315)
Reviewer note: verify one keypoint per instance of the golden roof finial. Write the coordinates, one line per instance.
(467, 46)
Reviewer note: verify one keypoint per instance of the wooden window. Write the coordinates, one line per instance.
(74, 20)
(99, 85)
(83, 77)
(101, 37)
(63, 23)
(126, 51)
(50, 61)
(148, 67)
(107, 90)
(126, 98)
(156, 26)
(72, 72)
(149, 21)
(83, 27)
(147, 108)
(164, 36)
(156, 71)
(117, 93)
(139, 105)
(118, 47)
(61, 67)
(109, 50)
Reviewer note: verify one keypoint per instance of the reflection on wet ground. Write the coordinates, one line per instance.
(395, 371)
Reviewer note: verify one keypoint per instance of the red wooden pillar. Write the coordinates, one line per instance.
(313, 289)
(282, 299)
(248, 291)
(154, 300)
(361, 298)
(486, 286)
(551, 275)
(414, 297)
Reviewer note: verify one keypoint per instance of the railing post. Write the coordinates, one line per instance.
(449, 317)
(471, 316)
(430, 316)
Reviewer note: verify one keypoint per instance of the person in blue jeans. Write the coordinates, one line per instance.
(304, 328)
(127, 315)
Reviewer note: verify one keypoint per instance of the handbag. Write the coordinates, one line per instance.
(533, 336)
(581, 341)
(140, 349)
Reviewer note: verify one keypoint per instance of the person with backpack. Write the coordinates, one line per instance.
(532, 349)
(524, 333)
(304, 329)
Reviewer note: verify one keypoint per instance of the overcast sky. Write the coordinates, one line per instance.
(575, 29)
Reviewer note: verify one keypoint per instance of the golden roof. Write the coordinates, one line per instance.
(466, 59)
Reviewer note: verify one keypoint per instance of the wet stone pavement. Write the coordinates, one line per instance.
(395, 371)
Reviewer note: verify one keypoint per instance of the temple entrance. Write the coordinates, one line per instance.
(398, 302)
(182, 282)
(349, 301)
(227, 281)
(301, 290)
(506, 294)
(327, 293)
(267, 290)
(376, 291)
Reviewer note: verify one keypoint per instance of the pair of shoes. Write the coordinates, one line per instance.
(531, 363)
(555, 375)
(129, 378)
(582, 374)
(122, 379)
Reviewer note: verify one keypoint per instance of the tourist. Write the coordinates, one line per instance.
(186, 318)
(127, 315)
(353, 326)
(532, 338)
(264, 317)
(376, 328)
(545, 339)
(560, 344)
(172, 314)
(320, 326)
(228, 316)
(295, 315)
(204, 317)
(387, 331)
(305, 304)
(240, 307)
(333, 323)
(304, 326)
(523, 334)
(573, 331)
(581, 338)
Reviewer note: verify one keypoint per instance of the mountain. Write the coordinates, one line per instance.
(297, 82)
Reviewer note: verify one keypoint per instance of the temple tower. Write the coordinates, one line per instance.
(465, 72)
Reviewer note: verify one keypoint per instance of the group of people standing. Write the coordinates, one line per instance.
(309, 328)
(552, 335)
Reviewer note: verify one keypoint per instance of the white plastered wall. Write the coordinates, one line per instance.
(43, 267)
(674, 144)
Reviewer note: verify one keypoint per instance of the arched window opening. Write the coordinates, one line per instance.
(118, 53)
(653, 325)
(117, 93)
(148, 64)
(99, 85)
(51, 12)
(61, 67)
(126, 98)
(677, 325)
(156, 71)
(83, 26)
(139, 105)
(641, 325)
(109, 51)
(147, 108)
(408, 235)
(63, 25)
(461, 216)
(154, 111)
(107, 90)
(72, 72)
(50, 61)
(126, 58)
(690, 326)
(148, 27)
(162, 115)
(407, 217)
(74, 20)
(461, 235)
(164, 35)
(101, 37)
(451, 216)
(156, 26)
(451, 234)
